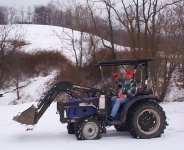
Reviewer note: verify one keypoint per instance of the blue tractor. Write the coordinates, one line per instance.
(87, 117)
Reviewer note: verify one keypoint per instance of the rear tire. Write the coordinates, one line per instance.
(147, 120)
(88, 129)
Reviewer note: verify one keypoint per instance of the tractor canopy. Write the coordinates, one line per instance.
(134, 62)
(142, 63)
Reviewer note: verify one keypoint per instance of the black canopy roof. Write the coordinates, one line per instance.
(123, 62)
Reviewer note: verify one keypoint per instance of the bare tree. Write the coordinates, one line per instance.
(3, 15)
(9, 44)
(140, 19)
(108, 24)
(4, 33)
(40, 15)
(13, 15)
(92, 48)
(29, 15)
(179, 14)
(72, 44)
(22, 15)
(143, 20)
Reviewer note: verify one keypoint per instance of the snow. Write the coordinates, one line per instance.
(32, 92)
(175, 91)
(49, 133)
(53, 38)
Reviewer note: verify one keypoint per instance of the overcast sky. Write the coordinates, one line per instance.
(20, 3)
(26, 3)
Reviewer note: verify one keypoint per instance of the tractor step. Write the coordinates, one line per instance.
(114, 122)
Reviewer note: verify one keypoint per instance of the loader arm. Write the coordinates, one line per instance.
(50, 96)
(32, 115)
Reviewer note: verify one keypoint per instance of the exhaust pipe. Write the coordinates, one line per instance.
(28, 117)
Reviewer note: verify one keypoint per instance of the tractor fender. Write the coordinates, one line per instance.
(134, 100)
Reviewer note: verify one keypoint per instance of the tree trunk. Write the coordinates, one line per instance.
(17, 87)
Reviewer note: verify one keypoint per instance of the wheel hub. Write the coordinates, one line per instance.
(90, 130)
(148, 121)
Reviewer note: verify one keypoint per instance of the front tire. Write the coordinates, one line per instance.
(147, 120)
(88, 129)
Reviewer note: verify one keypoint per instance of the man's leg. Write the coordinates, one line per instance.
(113, 100)
(116, 106)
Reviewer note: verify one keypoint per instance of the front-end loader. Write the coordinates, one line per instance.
(87, 117)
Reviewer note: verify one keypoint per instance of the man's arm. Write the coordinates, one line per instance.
(132, 90)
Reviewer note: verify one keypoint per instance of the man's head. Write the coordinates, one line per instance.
(123, 74)
(129, 75)
(116, 76)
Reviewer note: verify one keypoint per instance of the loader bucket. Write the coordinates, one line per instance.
(27, 117)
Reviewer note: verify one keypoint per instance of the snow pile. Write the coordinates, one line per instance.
(49, 133)
(175, 91)
(46, 37)
(34, 88)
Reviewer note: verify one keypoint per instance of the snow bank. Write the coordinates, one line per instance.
(32, 92)
(175, 91)
(53, 38)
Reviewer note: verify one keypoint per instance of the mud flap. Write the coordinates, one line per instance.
(27, 117)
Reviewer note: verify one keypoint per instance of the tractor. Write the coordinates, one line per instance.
(87, 116)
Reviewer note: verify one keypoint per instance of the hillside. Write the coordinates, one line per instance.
(46, 38)
(52, 38)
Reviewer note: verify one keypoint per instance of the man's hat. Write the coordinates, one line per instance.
(129, 74)
(116, 76)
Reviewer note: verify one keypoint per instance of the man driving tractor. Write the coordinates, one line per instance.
(125, 81)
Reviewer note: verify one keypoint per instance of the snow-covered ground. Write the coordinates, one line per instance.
(49, 133)
(175, 91)
(53, 38)
(32, 91)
